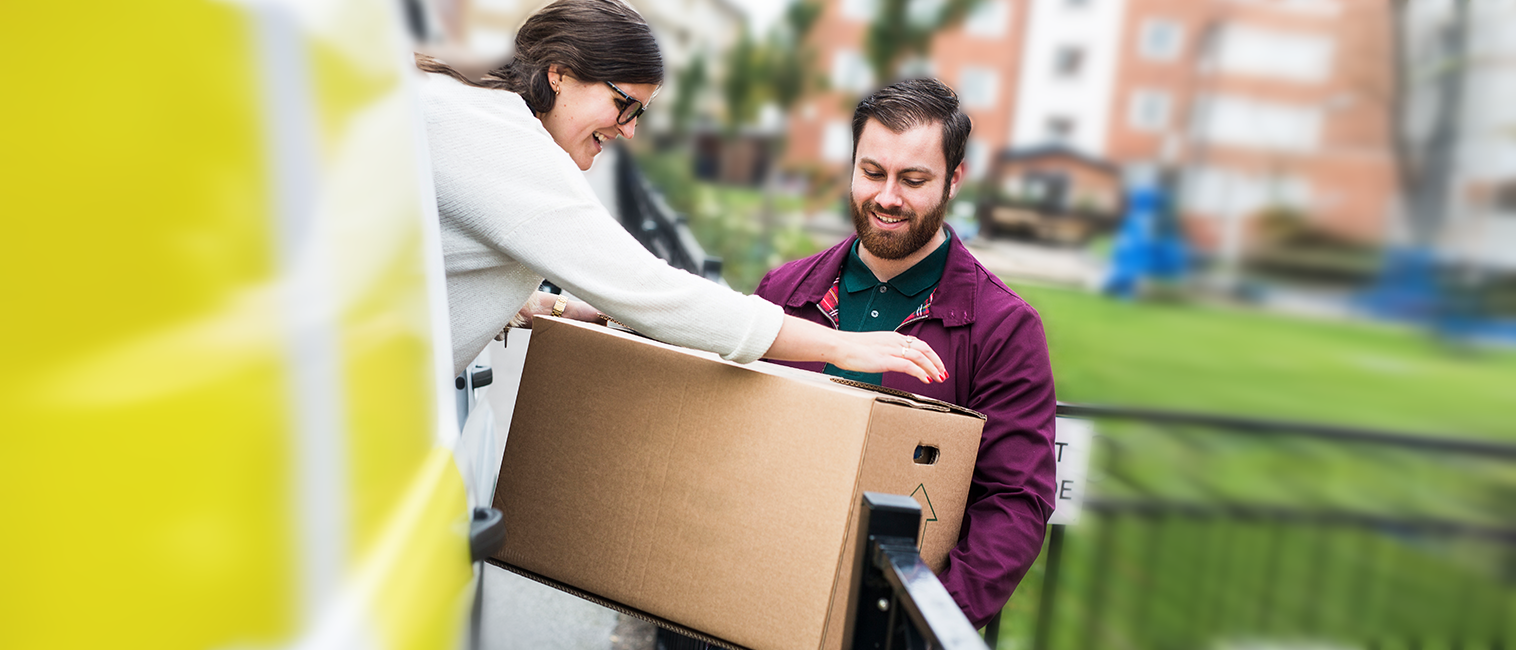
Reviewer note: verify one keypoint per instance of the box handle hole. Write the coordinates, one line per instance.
(925, 455)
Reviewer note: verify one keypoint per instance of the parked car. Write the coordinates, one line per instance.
(1050, 193)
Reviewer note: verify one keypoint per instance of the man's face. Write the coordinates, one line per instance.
(901, 186)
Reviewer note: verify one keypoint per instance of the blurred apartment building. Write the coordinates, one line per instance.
(1257, 104)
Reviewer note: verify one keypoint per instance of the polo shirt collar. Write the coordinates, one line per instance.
(955, 307)
(923, 275)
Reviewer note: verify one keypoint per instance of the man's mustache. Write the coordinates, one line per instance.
(900, 212)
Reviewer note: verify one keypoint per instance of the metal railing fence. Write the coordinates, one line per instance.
(648, 217)
(1221, 532)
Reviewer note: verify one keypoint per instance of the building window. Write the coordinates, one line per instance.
(1273, 53)
(1254, 124)
(917, 67)
(923, 13)
(978, 87)
(850, 73)
(1060, 128)
(977, 155)
(1160, 40)
(1227, 193)
(1068, 61)
(1149, 110)
(860, 10)
(488, 43)
(837, 142)
(988, 19)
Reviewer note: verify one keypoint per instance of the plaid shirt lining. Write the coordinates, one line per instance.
(828, 305)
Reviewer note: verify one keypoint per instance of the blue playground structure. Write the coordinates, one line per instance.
(1149, 243)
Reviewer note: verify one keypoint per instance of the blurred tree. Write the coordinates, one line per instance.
(781, 69)
(1427, 164)
(691, 83)
(790, 75)
(741, 87)
(905, 27)
(792, 72)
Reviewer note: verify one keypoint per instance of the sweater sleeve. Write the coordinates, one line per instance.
(506, 183)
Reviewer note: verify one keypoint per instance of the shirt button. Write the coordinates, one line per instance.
(883, 288)
(874, 313)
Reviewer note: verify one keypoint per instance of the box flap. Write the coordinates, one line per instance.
(910, 399)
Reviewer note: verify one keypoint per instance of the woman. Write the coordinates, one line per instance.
(508, 154)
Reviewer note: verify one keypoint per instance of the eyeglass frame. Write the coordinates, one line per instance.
(641, 107)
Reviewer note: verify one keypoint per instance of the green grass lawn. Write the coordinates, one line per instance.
(1201, 582)
(1219, 360)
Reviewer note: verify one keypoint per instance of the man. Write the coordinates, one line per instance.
(904, 271)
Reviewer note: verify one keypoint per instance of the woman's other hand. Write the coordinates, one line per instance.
(801, 340)
(541, 304)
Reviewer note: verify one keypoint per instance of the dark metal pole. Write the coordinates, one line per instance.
(992, 631)
(1049, 588)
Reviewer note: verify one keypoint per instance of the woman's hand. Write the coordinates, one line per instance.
(541, 304)
(890, 352)
(801, 340)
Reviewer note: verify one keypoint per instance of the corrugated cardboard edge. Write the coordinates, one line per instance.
(911, 399)
(618, 607)
(885, 396)
(847, 538)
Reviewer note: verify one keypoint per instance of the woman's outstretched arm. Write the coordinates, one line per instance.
(801, 340)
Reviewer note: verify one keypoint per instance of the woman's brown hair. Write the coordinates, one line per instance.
(591, 40)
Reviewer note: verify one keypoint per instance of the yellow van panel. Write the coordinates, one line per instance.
(143, 395)
(146, 395)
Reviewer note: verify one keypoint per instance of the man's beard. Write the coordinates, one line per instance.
(893, 245)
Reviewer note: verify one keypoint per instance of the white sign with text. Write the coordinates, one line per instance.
(1071, 449)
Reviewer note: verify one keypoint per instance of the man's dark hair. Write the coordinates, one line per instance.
(908, 104)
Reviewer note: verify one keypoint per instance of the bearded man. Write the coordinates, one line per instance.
(905, 271)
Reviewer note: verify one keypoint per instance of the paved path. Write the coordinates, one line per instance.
(522, 614)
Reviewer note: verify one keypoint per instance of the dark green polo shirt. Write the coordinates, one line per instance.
(864, 304)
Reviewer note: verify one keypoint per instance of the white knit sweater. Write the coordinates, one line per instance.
(515, 209)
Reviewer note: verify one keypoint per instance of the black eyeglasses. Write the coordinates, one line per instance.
(630, 107)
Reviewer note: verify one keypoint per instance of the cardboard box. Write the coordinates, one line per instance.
(718, 496)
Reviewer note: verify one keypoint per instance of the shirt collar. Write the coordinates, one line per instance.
(856, 276)
(955, 307)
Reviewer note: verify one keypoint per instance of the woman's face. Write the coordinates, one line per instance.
(584, 116)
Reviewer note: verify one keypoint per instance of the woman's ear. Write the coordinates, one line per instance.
(555, 77)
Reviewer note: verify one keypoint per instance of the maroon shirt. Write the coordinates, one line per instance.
(997, 361)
